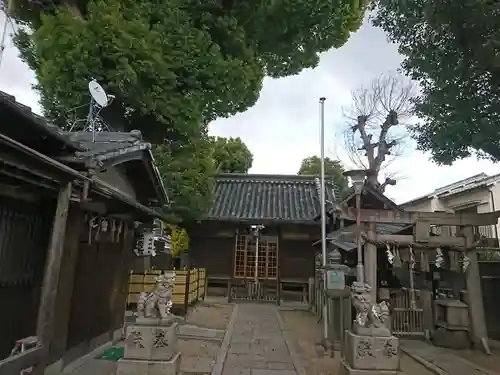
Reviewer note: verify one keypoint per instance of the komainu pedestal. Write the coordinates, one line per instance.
(370, 348)
(151, 343)
(151, 349)
(370, 355)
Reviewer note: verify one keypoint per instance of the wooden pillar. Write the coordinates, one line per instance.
(370, 262)
(479, 333)
(66, 281)
(278, 268)
(45, 321)
(127, 257)
(232, 270)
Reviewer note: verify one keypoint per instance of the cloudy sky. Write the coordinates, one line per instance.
(283, 127)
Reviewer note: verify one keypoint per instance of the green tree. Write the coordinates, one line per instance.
(188, 175)
(174, 66)
(179, 240)
(231, 155)
(452, 49)
(333, 170)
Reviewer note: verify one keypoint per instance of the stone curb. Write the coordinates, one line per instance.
(289, 341)
(426, 364)
(438, 370)
(219, 362)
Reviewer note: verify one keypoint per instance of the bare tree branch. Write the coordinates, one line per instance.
(371, 139)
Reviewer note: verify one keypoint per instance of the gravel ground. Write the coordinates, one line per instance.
(199, 356)
(210, 315)
(308, 333)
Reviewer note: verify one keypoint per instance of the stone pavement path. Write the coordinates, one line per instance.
(257, 345)
(442, 361)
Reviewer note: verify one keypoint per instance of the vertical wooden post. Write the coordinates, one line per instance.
(278, 269)
(45, 321)
(479, 333)
(371, 262)
(69, 260)
(197, 284)
(186, 292)
(124, 277)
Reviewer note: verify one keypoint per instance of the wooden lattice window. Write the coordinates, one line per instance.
(245, 256)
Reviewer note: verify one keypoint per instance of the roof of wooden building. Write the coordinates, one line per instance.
(42, 139)
(259, 198)
(348, 243)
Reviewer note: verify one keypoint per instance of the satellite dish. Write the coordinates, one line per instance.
(98, 93)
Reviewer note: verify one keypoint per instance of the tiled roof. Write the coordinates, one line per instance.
(103, 145)
(242, 197)
(38, 126)
(339, 239)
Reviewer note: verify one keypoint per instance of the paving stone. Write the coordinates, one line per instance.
(448, 361)
(233, 371)
(257, 343)
(272, 372)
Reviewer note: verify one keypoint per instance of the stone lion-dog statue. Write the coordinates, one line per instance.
(157, 304)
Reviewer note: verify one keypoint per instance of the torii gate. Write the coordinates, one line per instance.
(422, 221)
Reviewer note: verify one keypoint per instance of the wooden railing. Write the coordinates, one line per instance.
(190, 287)
(15, 364)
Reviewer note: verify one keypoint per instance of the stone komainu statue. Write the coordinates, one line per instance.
(157, 304)
(372, 319)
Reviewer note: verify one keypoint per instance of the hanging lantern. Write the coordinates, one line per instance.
(145, 244)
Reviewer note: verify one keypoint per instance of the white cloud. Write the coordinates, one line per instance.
(283, 127)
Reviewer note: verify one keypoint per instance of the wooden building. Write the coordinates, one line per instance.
(288, 208)
(69, 208)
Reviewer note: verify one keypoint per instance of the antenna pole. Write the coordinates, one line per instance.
(323, 212)
(6, 12)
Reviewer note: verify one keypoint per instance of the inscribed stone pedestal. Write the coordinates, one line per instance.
(370, 355)
(150, 349)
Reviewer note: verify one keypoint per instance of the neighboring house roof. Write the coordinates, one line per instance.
(339, 238)
(260, 198)
(467, 184)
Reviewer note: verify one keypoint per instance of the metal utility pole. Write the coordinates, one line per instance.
(7, 8)
(323, 211)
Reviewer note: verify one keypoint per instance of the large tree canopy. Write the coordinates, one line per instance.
(452, 49)
(180, 63)
(333, 170)
(231, 155)
(174, 66)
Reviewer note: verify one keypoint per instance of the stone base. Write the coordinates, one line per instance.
(453, 339)
(371, 352)
(145, 367)
(167, 322)
(345, 369)
(149, 342)
(371, 331)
